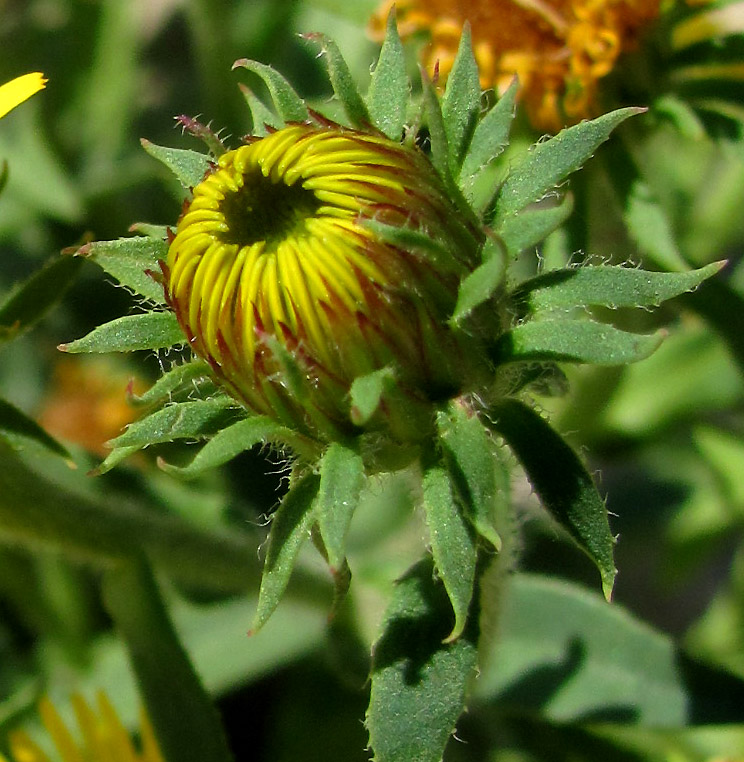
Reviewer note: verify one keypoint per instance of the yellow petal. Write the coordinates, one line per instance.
(19, 89)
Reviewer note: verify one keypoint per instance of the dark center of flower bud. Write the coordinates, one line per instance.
(264, 210)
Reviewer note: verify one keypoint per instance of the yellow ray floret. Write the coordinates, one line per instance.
(20, 89)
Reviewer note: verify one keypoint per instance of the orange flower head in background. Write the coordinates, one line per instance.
(559, 49)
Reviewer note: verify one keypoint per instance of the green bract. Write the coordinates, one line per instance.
(406, 341)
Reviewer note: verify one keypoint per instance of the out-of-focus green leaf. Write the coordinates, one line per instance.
(481, 284)
(387, 98)
(579, 341)
(16, 428)
(131, 261)
(366, 393)
(550, 163)
(185, 721)
(188, 166)
(149, 330)
(289, 105)
(33, 298)
(181, 420)
(342, 80)
(560, 480)
(341, 482)
(418, 681)
(452, 544)
(567, 654)
(490, 138)
(724, 451)
(290, 527)
(607, 285)
(480, 478)
(529, 228)
(461, 100)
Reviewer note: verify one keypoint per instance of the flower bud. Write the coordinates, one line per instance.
(282, 284)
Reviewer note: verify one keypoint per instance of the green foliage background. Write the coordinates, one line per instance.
(656, 676)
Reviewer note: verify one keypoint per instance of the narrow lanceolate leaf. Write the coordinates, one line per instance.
(560, 481)
(33, 298)
(366, 394)
(342, 81)
(185, 720)
(179, 377)
(452, 544)
(612, 286)
(290, 527)
(113, 459)
(341, 482)
(231, 441)
(548, 164)
(440, 151)
(150, 330)
(188, 166)
(131, 261)
(289, 105)
(461, 100)
(532, 226)
(579, 341)
(482, 484)
(418, 681)
(489, 139)
(17, 428)
(181, 420)
(483, 282)
(387, 97)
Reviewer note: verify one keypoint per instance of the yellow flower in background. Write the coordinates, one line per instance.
(559, 49)
(104, 738)
(21, 88)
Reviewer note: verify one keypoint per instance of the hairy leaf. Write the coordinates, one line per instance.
(560, 481)
(366, 393)
(178, 377)
(579, 341)
(529, 228)
(149, 330)
(188, 166)
(481, 284)
(289, 105)
(418, 681)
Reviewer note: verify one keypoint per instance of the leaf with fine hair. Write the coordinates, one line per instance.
(289, 105)
(188, 166)
(560, 480)
(148, 330)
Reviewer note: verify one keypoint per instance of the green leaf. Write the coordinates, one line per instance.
(290, 527)
(564, 653)
(33, 298)
(481, 284)
(522, 231)
(650, 227)
(579, 341)
(342, 80)
(549, 163)
(181, 420)
(189, 167)
(176, 378)
(560, 481)
(490, 138)
(366, 393)
(461, 100)
(113, 459)
(387, 98)
(611, 286)
(261, 116)
(231, 441)
(341, 482)
(289, 105)
(130, 261)
(452, 544)
(481, 480)
(440, 151)
(418, 681)
(185, 721)
(149, 330)
(16, 428)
